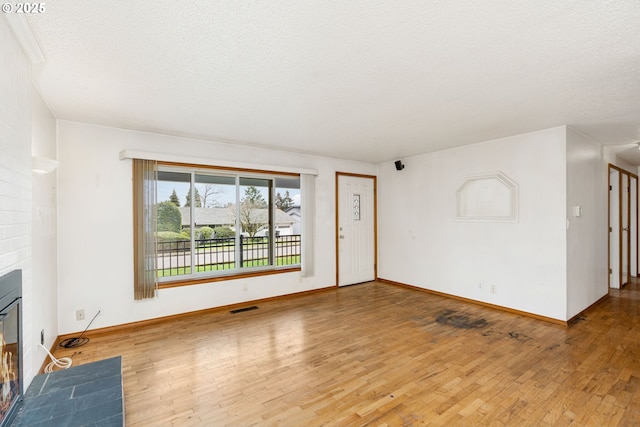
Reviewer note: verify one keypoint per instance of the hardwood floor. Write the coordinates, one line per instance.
(378, 354)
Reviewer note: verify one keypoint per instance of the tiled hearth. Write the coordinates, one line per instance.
(85, 395)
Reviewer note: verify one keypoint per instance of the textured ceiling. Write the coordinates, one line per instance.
(367, 80)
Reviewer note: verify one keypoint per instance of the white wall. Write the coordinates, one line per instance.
(587, 235)
(422, 244)
(44, 236)
(95, 226)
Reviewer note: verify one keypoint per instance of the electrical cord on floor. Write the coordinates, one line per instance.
(79, 341)
(62, 363)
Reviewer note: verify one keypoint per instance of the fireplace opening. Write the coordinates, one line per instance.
(11, 387)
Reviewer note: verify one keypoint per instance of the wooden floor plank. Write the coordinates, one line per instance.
(379, 354)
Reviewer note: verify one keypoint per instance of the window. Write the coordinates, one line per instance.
(219, 223)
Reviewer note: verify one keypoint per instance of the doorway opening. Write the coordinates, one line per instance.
(623, 227)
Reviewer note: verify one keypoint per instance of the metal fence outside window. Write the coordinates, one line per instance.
(174, 256)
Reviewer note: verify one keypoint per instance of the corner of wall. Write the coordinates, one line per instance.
(586, 222)
(44, 229)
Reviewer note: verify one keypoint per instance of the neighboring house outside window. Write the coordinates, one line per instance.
(224, 217)
(295, 213)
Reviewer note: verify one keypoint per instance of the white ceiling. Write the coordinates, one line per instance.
(370, 80)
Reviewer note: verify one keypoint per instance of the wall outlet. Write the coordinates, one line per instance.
(42, 337)
(80, 314)
(493, 289)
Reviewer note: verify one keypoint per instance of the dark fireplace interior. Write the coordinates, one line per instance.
(11, 388)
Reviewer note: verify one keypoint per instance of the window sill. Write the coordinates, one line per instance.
(210, 279)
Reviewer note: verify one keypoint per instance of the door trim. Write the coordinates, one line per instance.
(375, 222)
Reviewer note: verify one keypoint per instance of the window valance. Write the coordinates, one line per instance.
(177, 158)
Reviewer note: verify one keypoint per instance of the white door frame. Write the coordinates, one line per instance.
(375, 222)
(633, 226)
(622, 226)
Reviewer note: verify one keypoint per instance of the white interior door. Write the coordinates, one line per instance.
(356, 229)
(624, 230)
(614, 229)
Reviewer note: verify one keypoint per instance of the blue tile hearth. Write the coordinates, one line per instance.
(86, 395)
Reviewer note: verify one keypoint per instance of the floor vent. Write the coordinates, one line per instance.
(240, 310)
